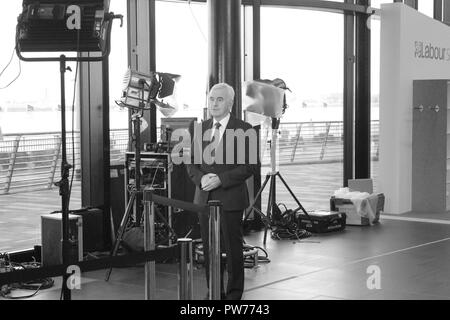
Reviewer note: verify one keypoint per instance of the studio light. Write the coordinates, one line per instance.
(65, 26)
(62, 25)
(264, 99)
(140, 90)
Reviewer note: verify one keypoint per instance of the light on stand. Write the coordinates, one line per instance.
(266, 100)
(140, 90)
(62, 26)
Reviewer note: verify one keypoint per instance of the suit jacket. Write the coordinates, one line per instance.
(233, 191)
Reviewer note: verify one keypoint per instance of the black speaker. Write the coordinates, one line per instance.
(92, 229)
(186, 224)
(117, 189)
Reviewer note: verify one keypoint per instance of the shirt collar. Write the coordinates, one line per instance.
(223, 122)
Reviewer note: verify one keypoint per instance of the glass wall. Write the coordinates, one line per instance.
(30, 144)
(375, 89)
(305, 49)
(182, 48)
(426, 7)
(375, 95)
(378, 3)
(118, 65)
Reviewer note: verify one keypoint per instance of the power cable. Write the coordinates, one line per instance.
(73, 121)
(18, 75)
(9, 62)
(35, 285)
(196, 21)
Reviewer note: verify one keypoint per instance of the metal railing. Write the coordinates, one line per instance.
(33, 161)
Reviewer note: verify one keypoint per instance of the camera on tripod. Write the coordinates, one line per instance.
(157, 147)
(154, 169)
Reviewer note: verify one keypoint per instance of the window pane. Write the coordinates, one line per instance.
(377, 3)
(305, 49)
(375, 89)
(30, 122)
(182, 48)
(426, 7)
(118, 65)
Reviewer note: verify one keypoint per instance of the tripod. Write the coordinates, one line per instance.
(272, 175)
(136, 192)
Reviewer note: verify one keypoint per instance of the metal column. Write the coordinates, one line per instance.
(362, 98)
(149, 244)
(349, 81)
(224, 47)
(215, 210)
(186, 270)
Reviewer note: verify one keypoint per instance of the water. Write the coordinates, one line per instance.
(50, 121)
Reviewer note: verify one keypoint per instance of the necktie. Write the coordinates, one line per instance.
(216, 133)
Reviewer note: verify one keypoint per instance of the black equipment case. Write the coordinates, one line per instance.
(322, 221)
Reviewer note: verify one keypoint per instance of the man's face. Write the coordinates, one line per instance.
(219, 103)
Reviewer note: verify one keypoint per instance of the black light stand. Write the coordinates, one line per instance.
(136, 192)
(272, 175)
(63, 184)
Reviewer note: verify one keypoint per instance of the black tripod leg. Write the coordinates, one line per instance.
(121, 230)
(161, 216)
(292, 194)
(257, 197)
(270, 204)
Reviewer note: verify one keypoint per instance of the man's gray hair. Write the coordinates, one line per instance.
(227, 87)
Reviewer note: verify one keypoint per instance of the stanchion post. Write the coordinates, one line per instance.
(149, 244)
(186, 268)
(215, 210)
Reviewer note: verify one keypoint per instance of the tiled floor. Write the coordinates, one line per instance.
(20, 213)
(413, 260)
(412, 253)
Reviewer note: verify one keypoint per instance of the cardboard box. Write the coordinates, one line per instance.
(51, 239)
(353, 218)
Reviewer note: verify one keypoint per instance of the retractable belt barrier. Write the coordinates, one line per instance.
(187, 206)
(20, 276)
(214, 209)
(183, 250)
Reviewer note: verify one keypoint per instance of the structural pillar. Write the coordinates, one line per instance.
(224, 47)
(349, 80)
(95, 141)
(362, 95)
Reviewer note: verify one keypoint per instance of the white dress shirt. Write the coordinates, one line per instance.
(222, 128)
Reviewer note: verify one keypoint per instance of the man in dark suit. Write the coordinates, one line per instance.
(222, 177)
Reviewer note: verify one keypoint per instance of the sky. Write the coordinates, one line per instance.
(303, 47)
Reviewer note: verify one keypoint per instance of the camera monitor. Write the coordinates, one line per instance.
(168, 125)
